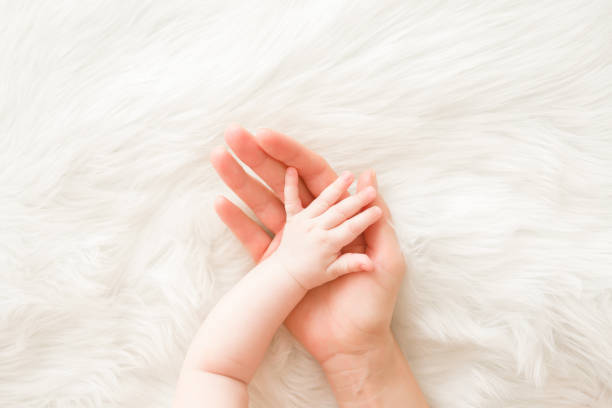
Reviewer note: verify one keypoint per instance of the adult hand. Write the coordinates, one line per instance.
(315, 175)
(344, 321)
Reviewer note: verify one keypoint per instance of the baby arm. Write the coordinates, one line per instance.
(231, 343)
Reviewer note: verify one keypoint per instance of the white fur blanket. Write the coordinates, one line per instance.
(490, 127)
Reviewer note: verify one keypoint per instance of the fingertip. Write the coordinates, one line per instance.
(370, 192)
(232, 131)
(347, 176)
(233, 127)
(367, 266)
(367, 179)
(217, 153)
(291, 176)
(223, 207)
(264, 136)
(377, 211)
(219, 203)
(359, 262)
(241, 142)
(225, 165)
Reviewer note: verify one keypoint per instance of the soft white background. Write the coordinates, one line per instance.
(490, 126)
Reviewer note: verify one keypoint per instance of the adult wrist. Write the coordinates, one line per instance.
(378, 376)
(358, 375)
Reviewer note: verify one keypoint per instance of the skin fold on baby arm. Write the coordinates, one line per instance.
(231, 343)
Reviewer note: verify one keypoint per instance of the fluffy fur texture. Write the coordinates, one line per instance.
(490, 126)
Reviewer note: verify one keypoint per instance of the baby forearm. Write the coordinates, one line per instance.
(198, 389)
(233, 339)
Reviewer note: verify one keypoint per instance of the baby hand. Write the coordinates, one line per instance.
(313, 236)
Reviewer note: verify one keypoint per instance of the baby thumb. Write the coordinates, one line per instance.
(350, 262)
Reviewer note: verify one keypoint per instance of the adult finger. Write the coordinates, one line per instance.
(266, 206)
(314, 170)
(380, 238)
(368, 179)
(252, 236)
(271, 171)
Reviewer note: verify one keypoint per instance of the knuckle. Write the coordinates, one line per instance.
(323, 238)
(338, 270)
(310, 227)
(318, 206)
(326, 203)
(337, 213)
